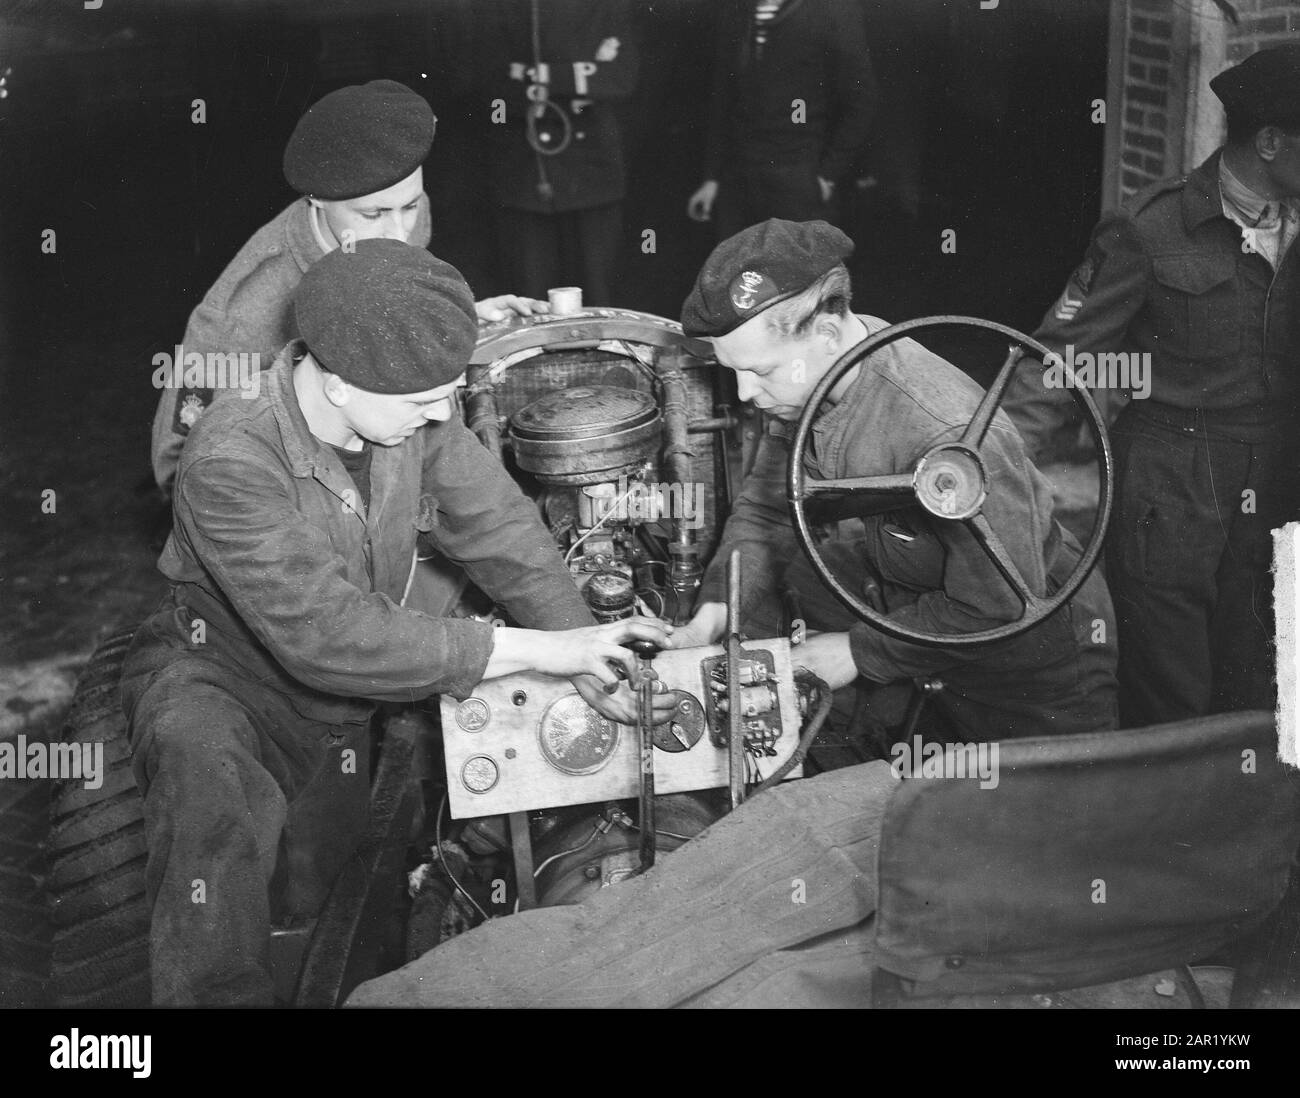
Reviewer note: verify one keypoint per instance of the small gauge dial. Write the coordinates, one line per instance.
(574, 738)
(480, 773)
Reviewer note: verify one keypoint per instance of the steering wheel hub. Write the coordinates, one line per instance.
(950, 482)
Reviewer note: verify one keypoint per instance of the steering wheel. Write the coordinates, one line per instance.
(949, 482)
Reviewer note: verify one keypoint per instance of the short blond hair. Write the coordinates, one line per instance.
(830, 295)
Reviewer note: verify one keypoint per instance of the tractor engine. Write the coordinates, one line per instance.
(595, 451)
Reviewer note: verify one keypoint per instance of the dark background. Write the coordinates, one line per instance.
(96, 143)
(992, 108)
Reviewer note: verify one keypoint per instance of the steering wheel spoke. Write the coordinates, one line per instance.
(885, 484)
(978, 427)
(993, 546)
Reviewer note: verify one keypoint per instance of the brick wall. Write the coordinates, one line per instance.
(1263, 23)
(1155, 40)
(1164, 52)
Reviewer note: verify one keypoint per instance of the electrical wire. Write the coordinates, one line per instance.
(613, 509)
(437, 838)
(565, 853)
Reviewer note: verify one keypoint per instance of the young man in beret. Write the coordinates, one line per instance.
(774, 302)
(1197, 278)
(248, 692)
(356, 159)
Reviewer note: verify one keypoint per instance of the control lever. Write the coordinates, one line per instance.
(735, 729)
(645, 685)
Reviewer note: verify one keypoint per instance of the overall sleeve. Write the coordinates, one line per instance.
(285, 580)
(760, 528)
(483, 522)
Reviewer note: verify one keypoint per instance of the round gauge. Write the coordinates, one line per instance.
(574, 738)
(479, 774)
(473, 714)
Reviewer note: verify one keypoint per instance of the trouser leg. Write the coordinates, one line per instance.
(213, 817)
(596, 235)
(1175, 496)
(1241, 625)
(529, 246)
(250, 812)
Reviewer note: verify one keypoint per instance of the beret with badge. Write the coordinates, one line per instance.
(1265, 87)
(359, 140)
(387, 317)
(758, 268)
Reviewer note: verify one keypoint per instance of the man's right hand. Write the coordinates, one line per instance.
(700, 206)
(568, 652)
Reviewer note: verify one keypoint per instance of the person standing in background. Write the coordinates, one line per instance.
(554, 71)
(1198, 278)
(793, 98)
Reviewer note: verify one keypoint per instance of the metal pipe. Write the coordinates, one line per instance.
(685, 570)
(735, 727)
(645, 734)
(481, 408)
(717, 423)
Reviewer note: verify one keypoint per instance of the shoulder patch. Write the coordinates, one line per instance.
(190, 405)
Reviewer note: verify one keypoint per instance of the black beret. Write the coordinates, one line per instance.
(1264, 87)
(359, 140)
(757, 268)
(387, 317)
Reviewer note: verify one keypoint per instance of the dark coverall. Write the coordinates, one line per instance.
(248, 310)
(1058, 677)
(559, 213)
(764, 152)
(249, 690)
(1207, 465)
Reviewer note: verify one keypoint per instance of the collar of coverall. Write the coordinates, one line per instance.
(300, 445)
(304, 245)
(840, 415)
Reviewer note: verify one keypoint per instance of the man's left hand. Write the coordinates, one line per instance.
(829, 657)
(621, 705)
(493, 310)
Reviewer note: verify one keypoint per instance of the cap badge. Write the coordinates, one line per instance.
(749, 288)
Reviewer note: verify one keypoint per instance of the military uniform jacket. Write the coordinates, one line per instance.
(816, 53)
(299, 585)
(1167, 275)
(249, 309)
(590, 50)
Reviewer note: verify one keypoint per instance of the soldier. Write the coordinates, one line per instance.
(356, 159)
(248, 692)
(557, 72)
(792, 101)
(1197, 274)
(774, 302)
